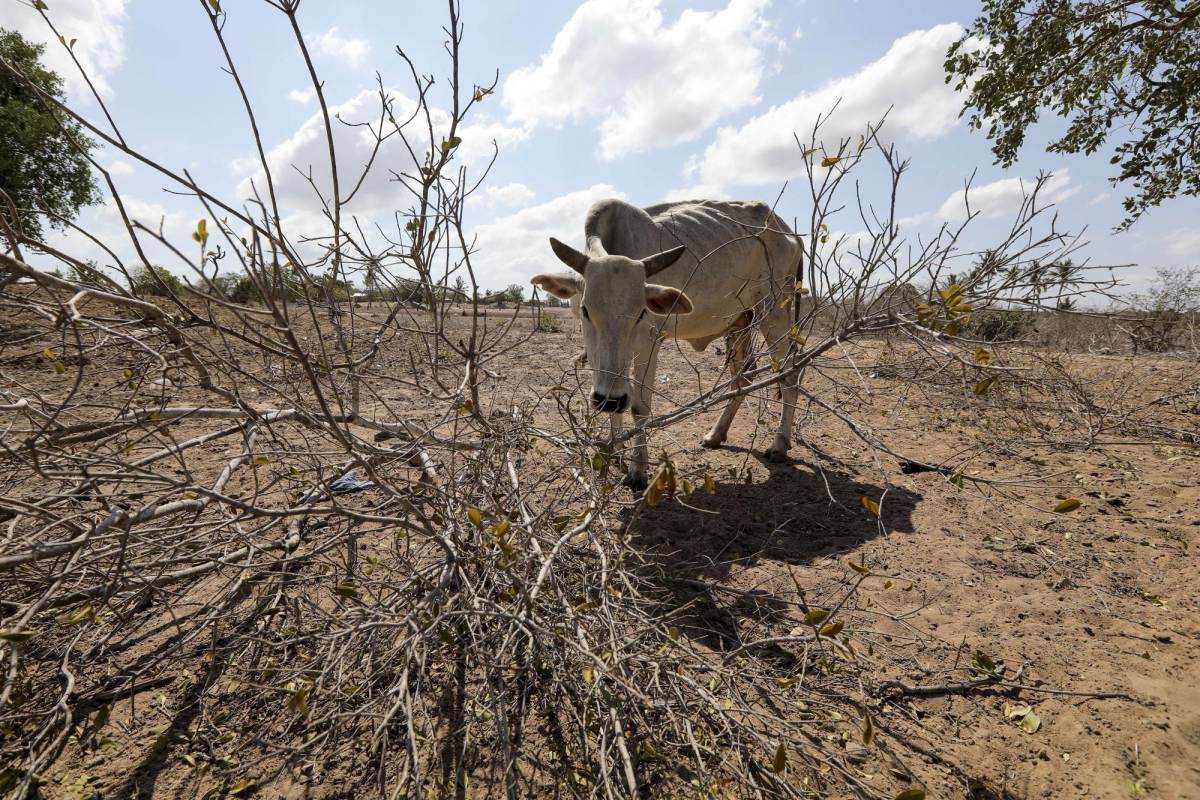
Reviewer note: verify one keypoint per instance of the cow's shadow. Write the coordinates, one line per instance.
(691, 546)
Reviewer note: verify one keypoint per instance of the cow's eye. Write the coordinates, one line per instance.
(585, 313)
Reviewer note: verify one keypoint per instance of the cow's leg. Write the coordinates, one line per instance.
(737, 348)
(645, 367)
(775, 329)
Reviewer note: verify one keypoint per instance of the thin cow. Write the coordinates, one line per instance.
(719, 268)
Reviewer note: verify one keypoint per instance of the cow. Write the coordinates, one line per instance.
(719, 268)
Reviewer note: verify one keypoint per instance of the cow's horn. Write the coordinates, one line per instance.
(569, 255)
(660, 261)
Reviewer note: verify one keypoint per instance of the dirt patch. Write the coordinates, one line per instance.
(1098, 600)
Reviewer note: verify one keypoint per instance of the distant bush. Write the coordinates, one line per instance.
(548, 323)
(1001, 325)
(515, 293)
(1169, 310)
(155, 281)
(238, 288)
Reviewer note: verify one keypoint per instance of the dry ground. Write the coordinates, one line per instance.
(1102, 599)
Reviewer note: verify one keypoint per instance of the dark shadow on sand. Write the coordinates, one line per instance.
(798, 514)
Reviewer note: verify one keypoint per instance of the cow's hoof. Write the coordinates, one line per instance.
(710, 441)
(777, 455)
(637, 483)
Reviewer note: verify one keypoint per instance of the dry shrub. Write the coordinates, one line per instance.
(180, 513)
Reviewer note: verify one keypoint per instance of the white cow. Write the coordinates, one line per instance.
(720, 268)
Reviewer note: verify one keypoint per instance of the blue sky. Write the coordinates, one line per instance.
(644, 99)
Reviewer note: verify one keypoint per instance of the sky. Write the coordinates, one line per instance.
(646, 100)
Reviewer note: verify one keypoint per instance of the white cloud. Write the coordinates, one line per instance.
(909, 79)
(353, 51)
(516, 247)
(1100, 198)
(645, 83)
(1184, 244)
(506, 196)
(97, 25)
(698, 191)
(120, 167)
(302, 96)
(1002, 198)
(103, 222)
(305, 153)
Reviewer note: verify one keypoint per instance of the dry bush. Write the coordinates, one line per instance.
(180, 513)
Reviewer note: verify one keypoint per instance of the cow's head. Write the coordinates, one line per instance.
(615, 300)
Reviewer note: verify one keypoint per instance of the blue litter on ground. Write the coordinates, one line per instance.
(346, 484)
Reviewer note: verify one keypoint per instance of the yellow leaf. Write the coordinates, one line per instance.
(1070, 504)
(298, 702)
(982, 387)
(916, 793)
(501, 528)
(476, 516)
(243, 788)
(775, 363)
(983, 356)
(829, 161)
(868, 736)
(832, 629)
(587, 675)
(710, 484)
(260, 460)
(779, 762)
(870, 505)
(816, 616)
(859, 568)
(808, 151)
(347, 589)
(78, 617)
(15, 636)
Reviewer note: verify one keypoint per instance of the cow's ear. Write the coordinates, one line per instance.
(667, 300)
(563, 285)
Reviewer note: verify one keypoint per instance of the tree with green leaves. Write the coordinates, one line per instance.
(1124, 74)
(44, 170)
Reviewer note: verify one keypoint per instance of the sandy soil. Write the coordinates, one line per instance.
(1099, 600)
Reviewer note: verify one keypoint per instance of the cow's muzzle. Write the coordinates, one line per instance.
(615, 405)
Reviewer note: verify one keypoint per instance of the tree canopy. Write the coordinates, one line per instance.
(43, 154)
(1122, 73)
